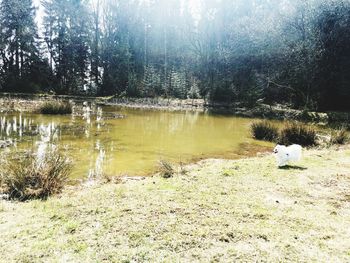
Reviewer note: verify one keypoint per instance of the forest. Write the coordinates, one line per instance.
(291, 52)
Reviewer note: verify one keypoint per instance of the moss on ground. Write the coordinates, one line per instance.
(220, 211)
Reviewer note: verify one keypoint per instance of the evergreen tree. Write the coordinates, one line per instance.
(151, 85)
(116, 52)
(95, 36)
(67, 37)
(240, 51)
(19, 42)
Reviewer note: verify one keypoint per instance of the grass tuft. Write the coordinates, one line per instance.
(339, 137)
(56, 107)
(264, 130)
(297, 133)
(27, 177)
(166, 169)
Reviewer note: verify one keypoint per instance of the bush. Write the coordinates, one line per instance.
(56, 107)
(28, 177)
(339, 136)
(264, 130)
(297, 133)
(166, 169)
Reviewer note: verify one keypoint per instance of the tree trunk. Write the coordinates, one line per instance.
(17, 56)
(166, 61)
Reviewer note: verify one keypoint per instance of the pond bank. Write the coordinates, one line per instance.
(30, 102)
(220, 210)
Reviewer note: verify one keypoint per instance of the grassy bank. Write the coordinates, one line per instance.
(244, 210)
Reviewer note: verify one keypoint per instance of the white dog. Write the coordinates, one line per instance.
(284, 154)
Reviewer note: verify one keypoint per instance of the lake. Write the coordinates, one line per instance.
(123, 141)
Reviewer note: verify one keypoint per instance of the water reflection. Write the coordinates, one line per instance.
(48, 135)
(15, 126)
(100, 142)
(96, 168)
(40, 134)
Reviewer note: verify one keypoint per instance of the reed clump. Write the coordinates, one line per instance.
(298, 133)
(26, 176)
(264, 130)
(56, 107)
(291, 133)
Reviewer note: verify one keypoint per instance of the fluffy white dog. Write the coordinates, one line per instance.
(285, 154)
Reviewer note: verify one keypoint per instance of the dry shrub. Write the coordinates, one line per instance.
(165, 169)
(56, 107)
(264, 130)
(26, 177)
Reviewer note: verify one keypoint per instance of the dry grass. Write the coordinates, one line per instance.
(25, 176)
(166, 169)
(297, 133)
(221, 211)
(56, 107)
(339, 137)
(264, 130)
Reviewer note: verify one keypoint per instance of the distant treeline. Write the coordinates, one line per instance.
(243, 51)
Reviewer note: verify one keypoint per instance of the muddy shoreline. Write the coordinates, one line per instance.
(30, 103)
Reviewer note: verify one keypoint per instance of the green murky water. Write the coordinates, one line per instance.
(99, 142)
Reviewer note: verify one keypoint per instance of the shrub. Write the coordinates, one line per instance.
(339, 136)
(166, 169)
(297, 133)
(56, 107)
(28, 177)
(264, 130)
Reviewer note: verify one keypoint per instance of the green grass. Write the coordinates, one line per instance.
(220, 211)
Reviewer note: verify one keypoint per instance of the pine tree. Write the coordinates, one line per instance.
(95, 37)
(151, 82)
(67, 37)
(19, 42)
(117, 57)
